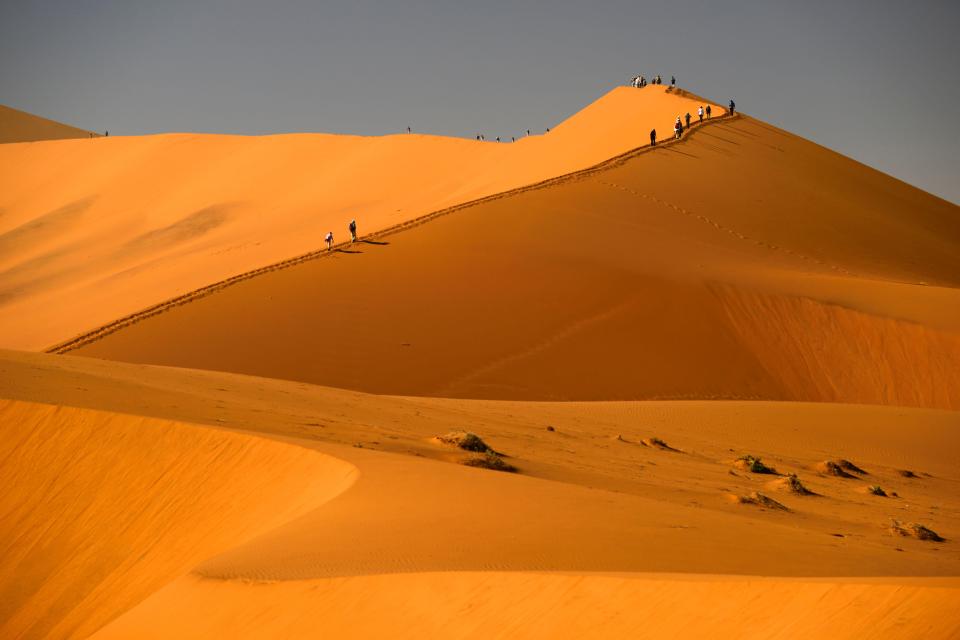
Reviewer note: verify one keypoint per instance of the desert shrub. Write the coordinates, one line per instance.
(466, 441)
(877, 490)
(490, 460)
(754, 465)
(794, 484)
(915, 530)
(846, 465)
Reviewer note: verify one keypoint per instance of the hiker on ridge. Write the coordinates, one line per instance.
(653, 137)
(733, 106)
(329, 240)
(708, 111)
(700, 114)
(673, 82)
(353, 230)
(677, 128)
(687, 117)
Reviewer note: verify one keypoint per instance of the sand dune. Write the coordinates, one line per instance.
(96, 229)
(20, 126)
(639, 510)
(101, 509)
(522, 605)
(742, 263)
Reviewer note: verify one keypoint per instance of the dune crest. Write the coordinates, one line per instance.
(166, 214)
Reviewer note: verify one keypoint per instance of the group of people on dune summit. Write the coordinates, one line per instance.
(639, 82)
(352, 227)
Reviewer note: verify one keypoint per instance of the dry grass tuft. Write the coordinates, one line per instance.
(761, 500)
(833, 468)
(466, 441)
(490, 460)
(915, 530)
(877, 490)
(753, 465)
(793, 484)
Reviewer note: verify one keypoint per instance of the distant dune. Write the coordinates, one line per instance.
(742, 263)
(95, 229)
(20, 126)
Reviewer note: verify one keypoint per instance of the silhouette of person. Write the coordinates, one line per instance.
(329, 240)
(353, 230)
(708, 112)
(733, 107)
(687, 118)
(653, 137)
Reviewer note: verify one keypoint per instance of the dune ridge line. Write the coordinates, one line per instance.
(105, 330)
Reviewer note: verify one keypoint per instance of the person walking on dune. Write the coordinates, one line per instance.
(353, 230)
(653, 137)
(677, 128)
(708, 112)
(700, 114)
(687, 117)
(673, 82)
(329, 240)
(733, 107)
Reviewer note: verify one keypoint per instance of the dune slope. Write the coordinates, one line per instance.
(101, 509)
(419, 544)
(95, 229)
(520, 605)
(742, 263)
(20, 126)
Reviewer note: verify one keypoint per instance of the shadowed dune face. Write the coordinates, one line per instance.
(743, 263)
(100, 509)
(167, 214)
(20, 126)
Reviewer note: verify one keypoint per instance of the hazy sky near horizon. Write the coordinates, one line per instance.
(873, 79)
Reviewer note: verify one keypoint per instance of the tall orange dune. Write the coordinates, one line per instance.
(96, 229)
(743, 262)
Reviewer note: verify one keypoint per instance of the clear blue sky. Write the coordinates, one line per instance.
(874, 79)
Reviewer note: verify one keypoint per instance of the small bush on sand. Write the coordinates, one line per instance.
(833, 468)
(915, 530)
(906, 473)
(793, 484)
(466, 441)
(754, 465)
(490, 460)
(761, 500)
(846, 465)
(877, 490)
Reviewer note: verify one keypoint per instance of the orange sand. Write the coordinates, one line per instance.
(96, 229)
(20, 126)
(637, 510)
(741, 263)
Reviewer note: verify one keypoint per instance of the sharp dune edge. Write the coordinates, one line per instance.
(20, 126)
(258, 489)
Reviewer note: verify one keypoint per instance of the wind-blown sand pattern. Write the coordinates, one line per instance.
(247, 446)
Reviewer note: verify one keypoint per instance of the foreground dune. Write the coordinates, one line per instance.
(101, 509)
(742, 263)
(20, 126)
(590, 497)
(523, 605)
(95, 229)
